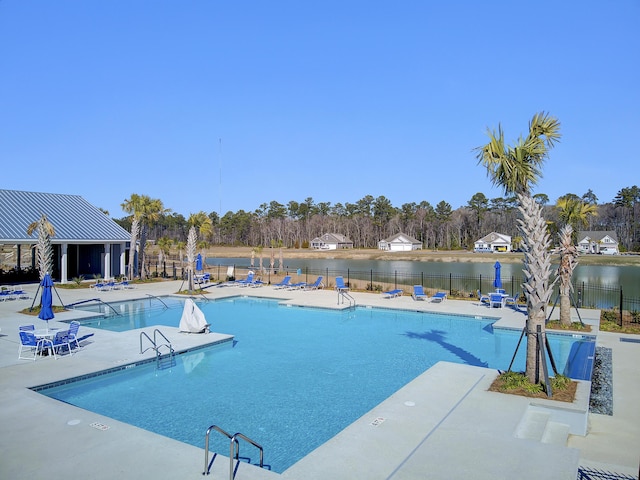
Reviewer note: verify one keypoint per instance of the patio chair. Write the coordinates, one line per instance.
(340, 285)
(483, 299)
(72, 334)
(439, 297)
(392, 293)
(315, 285)
(418, 293)
(27, 328)
(512, 301)
(496, 300)
(284, 283)
(59, 341)
(29, 345)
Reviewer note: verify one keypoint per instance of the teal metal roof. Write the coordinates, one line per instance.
(74, 219)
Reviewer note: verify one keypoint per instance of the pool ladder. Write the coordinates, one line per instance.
(342, 294)
(168, 360)
(234, 450)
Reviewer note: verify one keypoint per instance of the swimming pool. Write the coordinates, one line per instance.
(293, 377)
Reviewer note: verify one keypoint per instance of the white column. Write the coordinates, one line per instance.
(107, 260)
(64, 260)
(123, 252)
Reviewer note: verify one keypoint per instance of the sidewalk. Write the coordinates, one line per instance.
(453, 429)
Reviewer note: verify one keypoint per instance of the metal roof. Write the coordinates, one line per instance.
(74, 219)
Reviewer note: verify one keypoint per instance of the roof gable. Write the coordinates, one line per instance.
(73, 218)
(596, 236)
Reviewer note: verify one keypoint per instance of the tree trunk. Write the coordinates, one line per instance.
(565, 309)
(537, 286)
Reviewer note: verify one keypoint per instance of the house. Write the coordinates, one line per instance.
(605, 242)
(331, 241)
(400, 242)
(86, 241)
(494, 242)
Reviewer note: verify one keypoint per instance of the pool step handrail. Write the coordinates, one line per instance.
(93, 300)
(234, 443)
(207, 465)
(157, 298)
(157, 346)
(342, 294)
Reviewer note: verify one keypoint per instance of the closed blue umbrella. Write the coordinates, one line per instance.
(199, 262)
(46, 301)
(497, 281)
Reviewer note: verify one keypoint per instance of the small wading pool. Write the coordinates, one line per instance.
(293, 377)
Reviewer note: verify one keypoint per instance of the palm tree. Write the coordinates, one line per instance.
(568, 263)
(44, 250)
(133, 206)
(516, 169)
(145, 211)
(192, 239)
(575, 211)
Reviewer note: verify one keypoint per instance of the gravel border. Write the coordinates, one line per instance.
(601, 400)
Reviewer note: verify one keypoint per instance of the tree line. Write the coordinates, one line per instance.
(372, 219)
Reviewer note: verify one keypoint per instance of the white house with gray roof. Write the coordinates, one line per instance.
(86, 241)
(493, 242)
(400, 242)
(598, 242)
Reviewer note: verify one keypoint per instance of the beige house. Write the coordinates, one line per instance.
(331, 241)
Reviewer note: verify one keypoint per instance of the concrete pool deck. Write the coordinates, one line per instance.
(443, 425)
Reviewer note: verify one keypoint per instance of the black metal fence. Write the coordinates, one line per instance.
(460, 286)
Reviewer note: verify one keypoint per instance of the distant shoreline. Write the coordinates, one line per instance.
(414, 256)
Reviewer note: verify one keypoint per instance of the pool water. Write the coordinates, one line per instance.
(293, 377)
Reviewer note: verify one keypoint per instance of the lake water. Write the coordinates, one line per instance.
(627, 277)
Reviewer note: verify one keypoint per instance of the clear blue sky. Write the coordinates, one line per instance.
(225, 105)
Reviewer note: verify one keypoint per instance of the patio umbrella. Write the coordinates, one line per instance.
(46, 301)
(497, 281)
(199, 262)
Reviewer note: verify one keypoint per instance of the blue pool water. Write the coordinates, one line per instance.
(293, 377)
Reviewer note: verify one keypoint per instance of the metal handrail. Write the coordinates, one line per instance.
(93, 300)
(344, 294)
(231, 449)
(153, 344)
(207, 467)
(157, 298)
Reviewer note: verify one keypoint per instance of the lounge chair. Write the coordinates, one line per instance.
(439, 297)
(29, 346)
(297, 286)
(7, 295)
(315, 285)
(512, 301)
(483, 299)
(284, 283)
(418, 293)
(340, 285)
(392, 293)
(20, 294)
(496, 300)
(245, 282)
